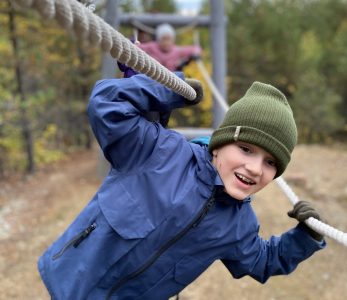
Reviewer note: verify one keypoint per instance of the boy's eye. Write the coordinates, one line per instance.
(272, 163)
(245, 149)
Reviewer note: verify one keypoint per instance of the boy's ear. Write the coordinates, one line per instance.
(215, 152)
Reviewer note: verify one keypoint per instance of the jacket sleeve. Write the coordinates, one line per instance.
(280, 255)
(115, 111)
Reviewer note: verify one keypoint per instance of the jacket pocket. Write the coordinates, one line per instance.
(89, 252)
(188, 269)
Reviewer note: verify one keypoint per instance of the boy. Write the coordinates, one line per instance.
(169, 208)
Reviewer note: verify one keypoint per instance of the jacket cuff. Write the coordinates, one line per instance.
(315, 243)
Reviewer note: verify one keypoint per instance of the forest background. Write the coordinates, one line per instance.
(46, 73)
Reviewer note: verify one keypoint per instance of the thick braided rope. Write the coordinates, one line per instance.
(73, 15)
(313, 223)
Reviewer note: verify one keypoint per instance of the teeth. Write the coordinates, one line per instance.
(245, 179)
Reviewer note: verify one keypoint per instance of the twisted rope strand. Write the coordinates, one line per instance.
(46, 9)
(73, 15)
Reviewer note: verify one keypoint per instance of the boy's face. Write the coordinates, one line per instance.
(244, 168)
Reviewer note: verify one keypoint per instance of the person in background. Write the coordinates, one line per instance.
(165, 51)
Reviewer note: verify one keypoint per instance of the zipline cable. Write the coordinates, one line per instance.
(73, 15)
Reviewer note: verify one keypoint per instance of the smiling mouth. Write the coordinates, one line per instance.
(244, 179)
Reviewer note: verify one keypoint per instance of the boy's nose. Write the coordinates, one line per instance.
(254, 166)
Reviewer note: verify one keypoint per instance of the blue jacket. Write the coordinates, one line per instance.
(159, 218)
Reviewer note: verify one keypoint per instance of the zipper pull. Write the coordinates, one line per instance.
(210, 203)
(75, 241)
(84, 234)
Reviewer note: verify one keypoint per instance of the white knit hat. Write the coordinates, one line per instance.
(165, 30)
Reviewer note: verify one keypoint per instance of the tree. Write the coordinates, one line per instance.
(46, 78)
(315, 108)
(20, 92)
(263, 37)
(294, 45)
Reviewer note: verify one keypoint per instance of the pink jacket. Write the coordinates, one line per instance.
(174, 57)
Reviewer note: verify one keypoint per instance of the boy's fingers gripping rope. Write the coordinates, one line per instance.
(302, 211)
(72, 14)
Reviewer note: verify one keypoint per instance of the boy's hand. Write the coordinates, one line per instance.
(196, 85)
(127, 71)
(302, 211)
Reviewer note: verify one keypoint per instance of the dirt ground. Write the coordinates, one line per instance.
(35, 210)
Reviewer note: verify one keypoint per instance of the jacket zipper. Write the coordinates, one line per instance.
(197, 220)
(76, 240)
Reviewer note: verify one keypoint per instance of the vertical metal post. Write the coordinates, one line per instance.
(219, 62)
(108, 70)
(108, 67)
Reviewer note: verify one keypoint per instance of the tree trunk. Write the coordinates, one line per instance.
(83, 72)
(24, 121)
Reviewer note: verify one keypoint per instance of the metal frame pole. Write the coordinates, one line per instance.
(108, 67)
(108, 70)
(219, 62)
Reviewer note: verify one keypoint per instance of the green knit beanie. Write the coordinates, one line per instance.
(261, 117)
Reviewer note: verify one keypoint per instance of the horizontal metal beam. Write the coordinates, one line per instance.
(157, 19)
